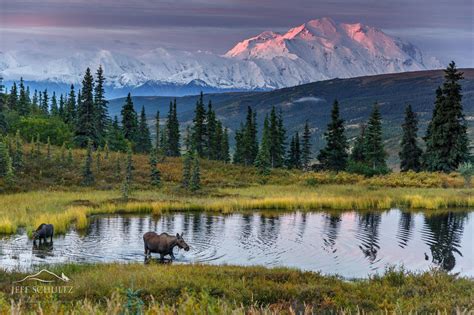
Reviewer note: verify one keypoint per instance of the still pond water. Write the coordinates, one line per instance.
(350, 244)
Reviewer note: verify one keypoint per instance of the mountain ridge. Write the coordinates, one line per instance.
(316, 50)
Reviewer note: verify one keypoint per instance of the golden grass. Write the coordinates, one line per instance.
(206, 289)
(63, 208)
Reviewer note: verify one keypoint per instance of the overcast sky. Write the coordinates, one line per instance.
(442, 28)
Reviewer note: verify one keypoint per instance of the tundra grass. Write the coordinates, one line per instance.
(205, 289)
(63, 208)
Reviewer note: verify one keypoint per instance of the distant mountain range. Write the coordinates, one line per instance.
(317, 50)
(312, 102)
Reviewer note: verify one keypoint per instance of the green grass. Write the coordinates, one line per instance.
(63, 208)
(201, 289)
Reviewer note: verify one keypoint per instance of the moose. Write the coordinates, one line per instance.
(163, 244)
(43, 232)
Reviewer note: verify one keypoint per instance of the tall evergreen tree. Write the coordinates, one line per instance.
(334, 156)
(86, 128)
(6, 168)
(23, 105)
(61, 107)
(358, 150)
(157, 131)
(306, 147)
(3, 108)
(155, 175)
(410, 153)
(374, 149)
(115, 138)
(13, 97)
(129, 120)
(447, 144)
(246, 140)
(54, 105)
(225, 156)
(70, 110)
(211, 134)
(263, 160)
(44, 106)
(187, 166)
(277, 138)
(173, 136)
(294, 153)
(101, 109)
(143, 137)
(199, 127)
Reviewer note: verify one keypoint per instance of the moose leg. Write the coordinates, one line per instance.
(172, 256)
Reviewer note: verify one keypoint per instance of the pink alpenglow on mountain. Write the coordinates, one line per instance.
(317, 50)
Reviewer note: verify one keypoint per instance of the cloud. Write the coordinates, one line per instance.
(309, 99)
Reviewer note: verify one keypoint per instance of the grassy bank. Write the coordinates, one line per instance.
(63, 208)
(205, 289)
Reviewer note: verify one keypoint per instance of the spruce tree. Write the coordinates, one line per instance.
(211, 134)
(374, 149)
(195, 183)
(127, 181)
(70, 110)
(3, 108)
(246, 140)
(447, 144)
(6, 169)
(23, 105)
(199, 127)
(157, 131)
(129, 120)
(155, 175)
(13, 97)
(61, 110)
(173, 136)
(54, 105)
(35, 103)
(143, 144)
(116, 138)
(225, 156)
(358, 150)
(294, 153)
(100, 103)
(86, 128)
(306, 147)
(277, 146)
(17, 157)
(410, 153)
(334, 155)
(44, 106)
(87, 175)
(187, 166)
(263, 160)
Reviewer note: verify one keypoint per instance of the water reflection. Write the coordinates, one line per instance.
(443, 234)
(405, 227)
(350, 244)
(368, 234)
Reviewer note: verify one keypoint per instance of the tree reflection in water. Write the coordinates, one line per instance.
(443, 234)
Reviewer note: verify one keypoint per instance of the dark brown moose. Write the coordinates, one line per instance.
(163, 244)
(43, 232)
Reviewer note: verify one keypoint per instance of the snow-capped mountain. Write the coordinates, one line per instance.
(317, 50)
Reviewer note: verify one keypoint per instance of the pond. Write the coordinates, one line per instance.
(351, 244)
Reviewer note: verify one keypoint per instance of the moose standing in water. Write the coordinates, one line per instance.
(163, 244)
(43, 232)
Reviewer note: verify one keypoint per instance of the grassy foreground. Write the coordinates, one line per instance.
(203, 289)
(63, 208)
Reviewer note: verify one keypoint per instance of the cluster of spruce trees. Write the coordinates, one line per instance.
(447, 144)
(86, 116)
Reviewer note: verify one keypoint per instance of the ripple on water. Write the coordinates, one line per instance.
(350, 244)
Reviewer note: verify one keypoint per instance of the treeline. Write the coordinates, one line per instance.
(83, 121)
